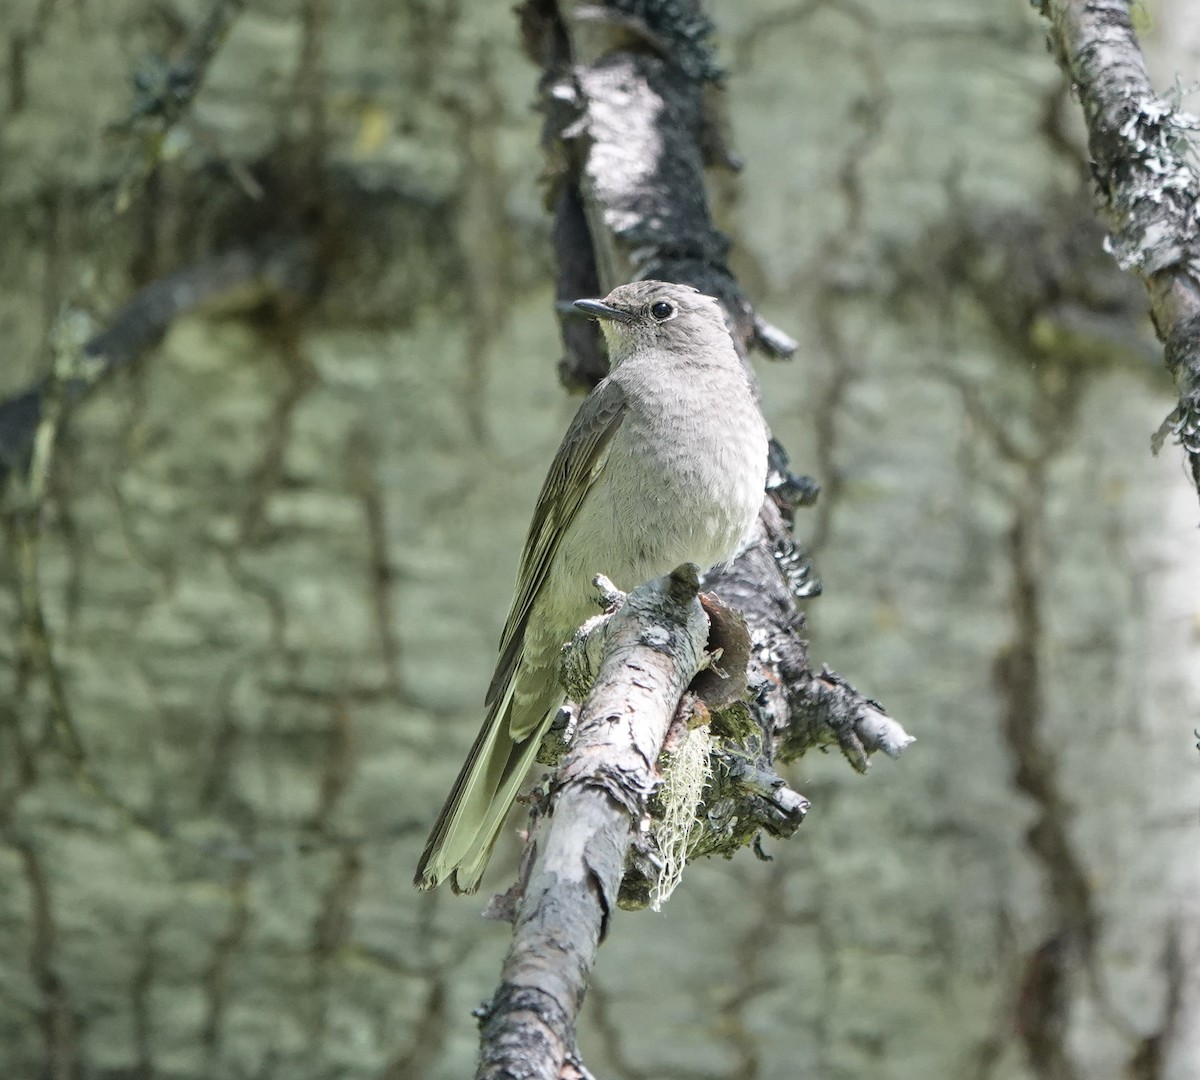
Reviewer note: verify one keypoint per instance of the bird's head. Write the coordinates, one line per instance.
(657, 315)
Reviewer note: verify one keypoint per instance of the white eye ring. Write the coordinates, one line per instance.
(661, 310)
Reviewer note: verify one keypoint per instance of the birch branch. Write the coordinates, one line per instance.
(1146, 177)
(651, 648)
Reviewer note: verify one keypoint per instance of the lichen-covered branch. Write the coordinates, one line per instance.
(1145, 172)
(651, 648)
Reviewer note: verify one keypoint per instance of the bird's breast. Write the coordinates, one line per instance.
(680, 484)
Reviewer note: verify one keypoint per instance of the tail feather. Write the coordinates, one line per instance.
(469, 824)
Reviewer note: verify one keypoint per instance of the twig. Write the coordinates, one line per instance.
(27, 502)
(1146, 176)
(69, 363)
(652, 647)
(165, 95)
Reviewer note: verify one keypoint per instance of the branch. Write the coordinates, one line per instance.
(651, 647)
(164, 95)
(1149, 188)
(275, 267)
(629, 135)
(797, 709)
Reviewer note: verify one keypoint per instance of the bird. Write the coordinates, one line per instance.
(664, 463)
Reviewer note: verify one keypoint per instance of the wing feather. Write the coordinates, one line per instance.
(578, 462)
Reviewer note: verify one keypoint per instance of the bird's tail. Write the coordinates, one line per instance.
(466, 830)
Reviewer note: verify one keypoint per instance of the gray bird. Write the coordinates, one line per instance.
(664, 463)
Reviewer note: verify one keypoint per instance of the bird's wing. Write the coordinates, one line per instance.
(572, 474)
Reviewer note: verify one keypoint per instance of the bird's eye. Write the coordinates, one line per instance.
(660, 309)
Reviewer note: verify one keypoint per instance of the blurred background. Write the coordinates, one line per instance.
(246, 649)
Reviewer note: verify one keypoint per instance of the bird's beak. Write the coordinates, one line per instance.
(598, 309)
